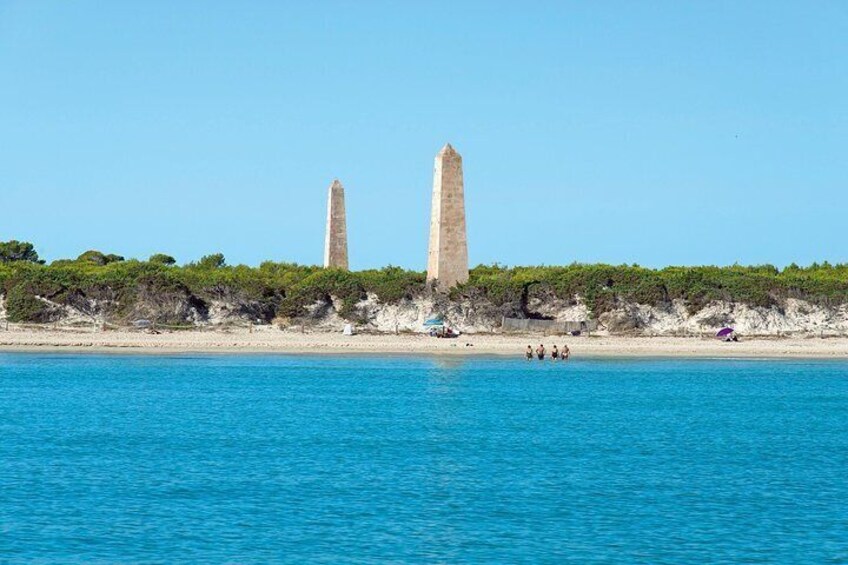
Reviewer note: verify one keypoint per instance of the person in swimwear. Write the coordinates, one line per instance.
(540, 352)
(529, 353)
(565, 353)
(554, 353)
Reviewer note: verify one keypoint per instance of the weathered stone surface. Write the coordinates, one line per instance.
(335, 242)
(447, 261)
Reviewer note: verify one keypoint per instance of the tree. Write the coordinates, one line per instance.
(162, 259)
(214, 261)
(18, 251)
(98, 258)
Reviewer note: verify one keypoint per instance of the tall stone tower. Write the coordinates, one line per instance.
(447, 262)
(335, 243)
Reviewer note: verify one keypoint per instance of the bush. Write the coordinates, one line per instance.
(289, 289)
(23, 306)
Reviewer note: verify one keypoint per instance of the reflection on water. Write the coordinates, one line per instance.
(448, 362)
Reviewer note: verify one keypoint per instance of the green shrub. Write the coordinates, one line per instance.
(290, 288)
(23, 306)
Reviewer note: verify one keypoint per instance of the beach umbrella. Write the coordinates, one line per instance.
(724, 332)
(434, 322)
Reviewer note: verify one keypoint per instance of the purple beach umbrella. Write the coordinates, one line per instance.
(723, 332)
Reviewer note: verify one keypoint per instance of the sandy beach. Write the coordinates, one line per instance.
(272, 340)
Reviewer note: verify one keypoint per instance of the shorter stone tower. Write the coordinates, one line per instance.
(335, 242)
(447, 261)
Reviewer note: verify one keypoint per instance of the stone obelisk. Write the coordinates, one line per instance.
(447, 262)
(335, 243)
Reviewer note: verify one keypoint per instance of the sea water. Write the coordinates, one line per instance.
(414, 460)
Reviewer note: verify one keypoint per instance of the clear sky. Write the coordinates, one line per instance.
(650, 132)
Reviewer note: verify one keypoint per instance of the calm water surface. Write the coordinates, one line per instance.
(306, 459)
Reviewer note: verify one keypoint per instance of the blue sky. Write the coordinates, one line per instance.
(650, 132)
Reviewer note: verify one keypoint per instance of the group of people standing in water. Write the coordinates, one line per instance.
(556, 354)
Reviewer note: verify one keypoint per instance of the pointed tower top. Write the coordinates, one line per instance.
(336, 184)
(448, 150)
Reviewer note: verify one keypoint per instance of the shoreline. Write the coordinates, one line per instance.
(272, 341)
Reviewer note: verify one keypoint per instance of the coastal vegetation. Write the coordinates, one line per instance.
(107, 284)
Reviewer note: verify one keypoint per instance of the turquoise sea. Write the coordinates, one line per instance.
(257, 459)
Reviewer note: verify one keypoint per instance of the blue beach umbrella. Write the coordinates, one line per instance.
(434, 322)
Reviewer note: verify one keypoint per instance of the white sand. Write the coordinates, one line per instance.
(272, 340)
